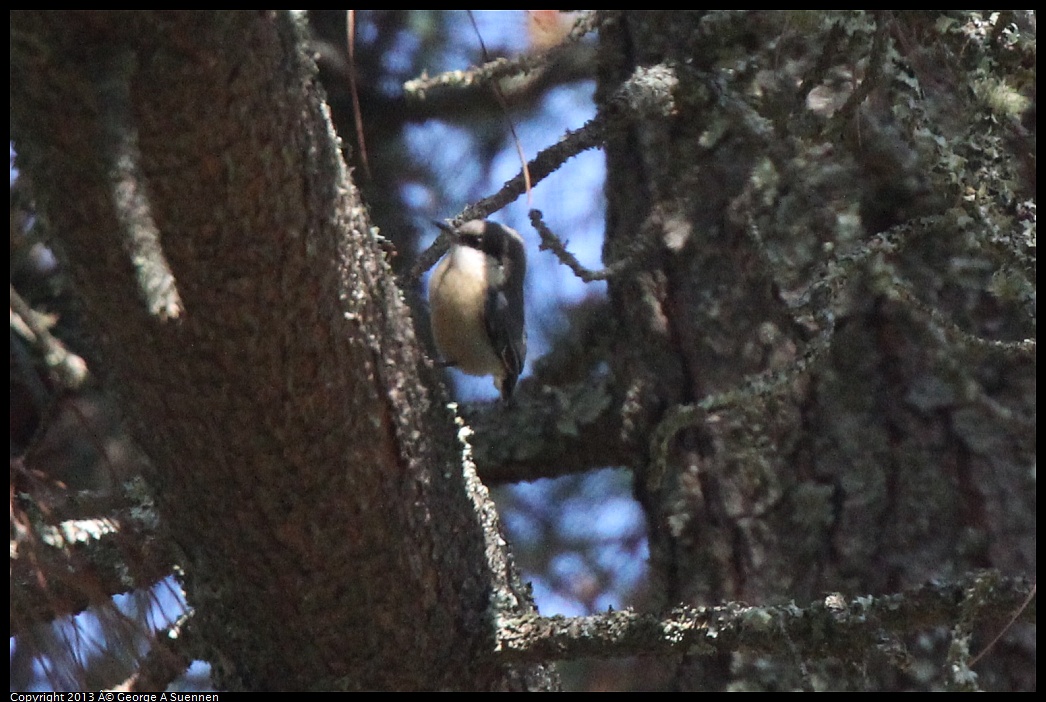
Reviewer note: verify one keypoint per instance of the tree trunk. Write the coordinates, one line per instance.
(867, 474)
(244, 308)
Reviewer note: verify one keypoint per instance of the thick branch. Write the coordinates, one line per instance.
(833, 627)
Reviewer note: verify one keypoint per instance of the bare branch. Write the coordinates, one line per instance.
(832, 627)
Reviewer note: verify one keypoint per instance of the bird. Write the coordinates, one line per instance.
(476, 302)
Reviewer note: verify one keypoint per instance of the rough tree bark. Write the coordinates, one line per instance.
(312, 482)
(877, 470)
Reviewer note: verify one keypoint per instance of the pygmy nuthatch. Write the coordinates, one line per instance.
(476, 302)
